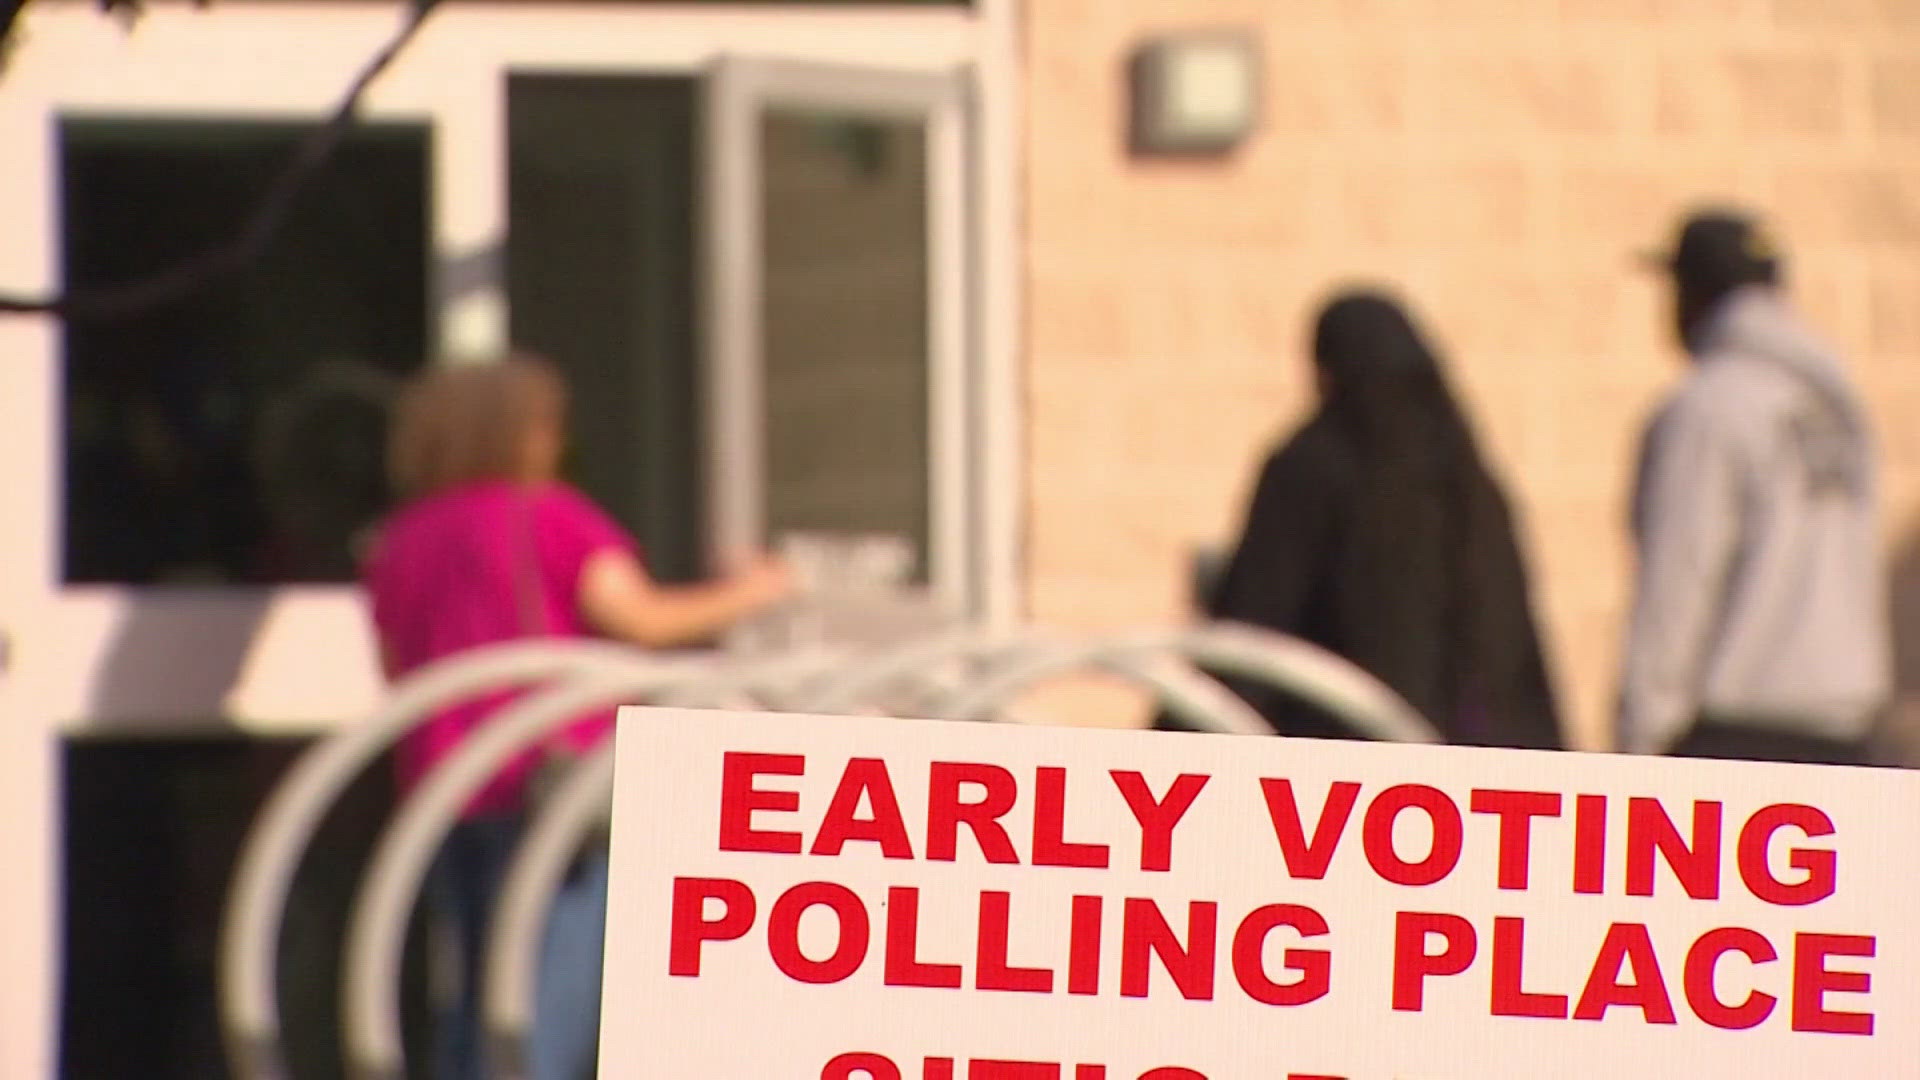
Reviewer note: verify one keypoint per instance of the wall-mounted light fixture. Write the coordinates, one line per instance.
(1195, 93)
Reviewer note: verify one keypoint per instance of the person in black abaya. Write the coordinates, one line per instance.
(1378, 533)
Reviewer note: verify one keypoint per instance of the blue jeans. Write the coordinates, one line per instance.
(465, 881)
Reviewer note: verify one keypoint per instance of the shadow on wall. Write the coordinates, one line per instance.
(1900, 735)
(175, 658)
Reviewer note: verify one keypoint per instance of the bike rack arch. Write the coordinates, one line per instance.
(593, 674)
(872, 675)
(250, 932)
(376, 932)
(583, 800)
(1312, 673)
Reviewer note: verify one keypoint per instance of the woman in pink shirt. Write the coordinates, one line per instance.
(489, 546)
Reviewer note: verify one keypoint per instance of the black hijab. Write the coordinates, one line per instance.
(1377, 532)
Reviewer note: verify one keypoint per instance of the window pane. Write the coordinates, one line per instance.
(846, 326)
(237, 435)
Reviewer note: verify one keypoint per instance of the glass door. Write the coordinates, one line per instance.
(837, 315)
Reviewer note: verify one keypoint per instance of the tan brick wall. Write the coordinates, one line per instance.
(1500, 160)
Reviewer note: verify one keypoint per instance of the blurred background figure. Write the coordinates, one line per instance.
(1378, 532)
(322, 483)
(1759, 625)
(489, 546)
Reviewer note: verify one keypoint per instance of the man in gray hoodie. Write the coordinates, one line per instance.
(1759, 627)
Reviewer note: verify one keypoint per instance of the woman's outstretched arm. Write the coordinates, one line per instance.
(621, 600)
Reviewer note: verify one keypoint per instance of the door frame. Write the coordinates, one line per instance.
(739, 90)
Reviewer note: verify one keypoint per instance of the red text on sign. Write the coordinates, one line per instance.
(960, 795)
(1186, 951)
(1689, 847)
(867, 1066)
(1627, 974)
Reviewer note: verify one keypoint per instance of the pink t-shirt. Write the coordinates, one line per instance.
(476, 565)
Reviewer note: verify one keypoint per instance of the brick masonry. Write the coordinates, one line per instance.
(1501, 162)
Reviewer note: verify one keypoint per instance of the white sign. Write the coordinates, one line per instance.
(801, 898)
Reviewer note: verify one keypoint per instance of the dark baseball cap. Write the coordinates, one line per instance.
(1721, 249)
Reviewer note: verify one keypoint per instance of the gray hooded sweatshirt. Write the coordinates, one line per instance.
(1760, 596)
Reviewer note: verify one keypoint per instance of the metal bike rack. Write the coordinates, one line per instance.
(874, 674)
(1308, 671)
(249, 1002)
(582, 801)
(1180, 688)
(1314, 674)
(773, 683)
(376, 933)
(966, 675)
